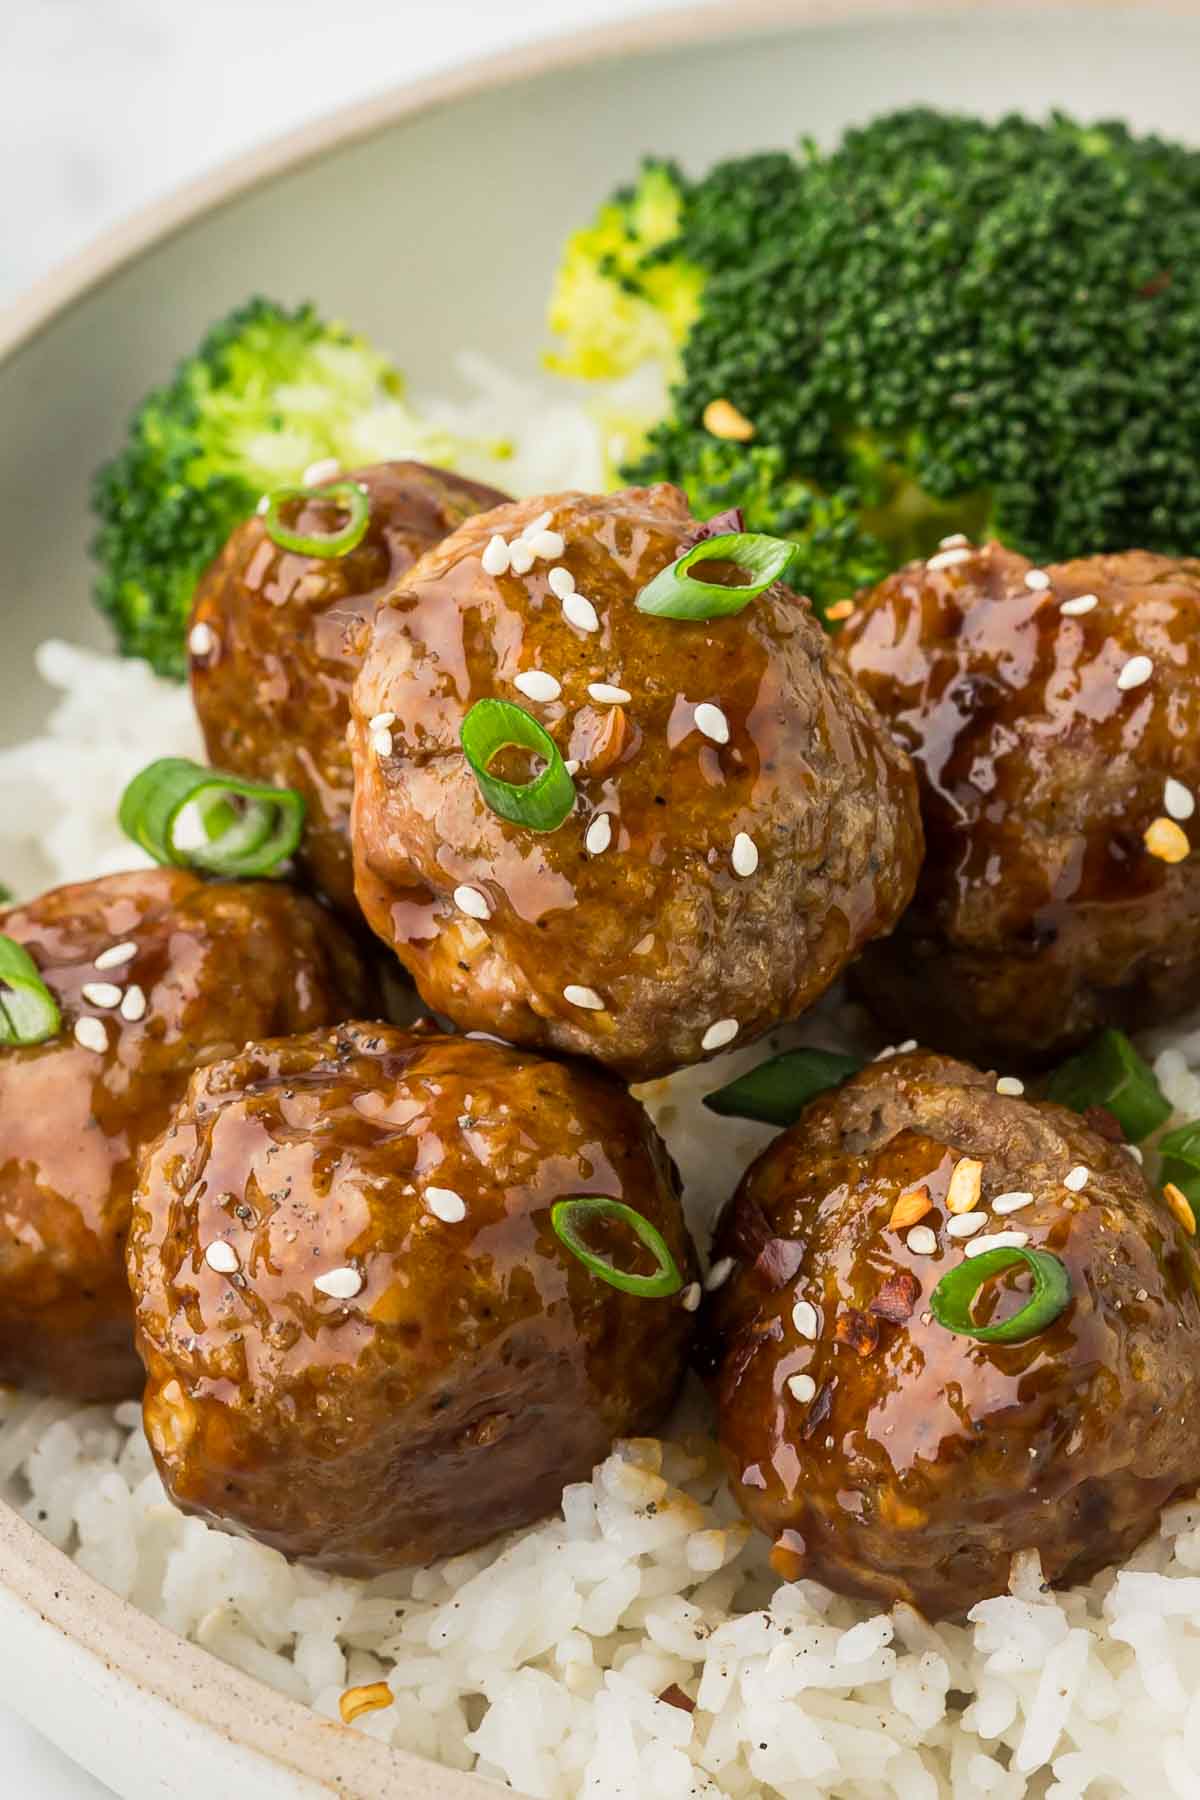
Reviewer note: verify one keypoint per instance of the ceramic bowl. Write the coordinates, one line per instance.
(399, 215)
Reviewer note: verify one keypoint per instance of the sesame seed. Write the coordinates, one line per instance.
(608, 695)
(494, 560)
(381, 743)
(966, 1183)
(581, 613)
(690, 1297)
(202, 639)
(1011, 1202)
(804, 1318)
(222, 1257)
(520, 557)
(910, 1207)
(536, 684)
(1137, 670)
(115, 955)
(946, 559)
(101, 993)
(720, 1033)
(539, 524)
(91, 1034)
(1167, 840)
(744, 856)
(1080, 604)
(841, 609)
(546, 544)
(1077, 1178)
(381, 721)
(904, 1048)
(883, 1055)
(469, 900)
(561, 582)
(965, 1225)
(802, 1388)
(572, 765)
(921, 1241)
(340, 1284)
(586, 997)
(722, 419)
(326, 468)
(1037, 580)
(1134, 1150)
(263, 504)
(1011, 1086)
(446, 1205)
(133, 1006)
(1179, 801)
(712, 722)
(957, 540)
(599, 835)
(997, 1240)
(719, 1274)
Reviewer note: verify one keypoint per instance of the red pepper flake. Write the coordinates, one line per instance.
(819, 1411)
(744, 1348)
(1104, 1124)
(675, 1696)
(897, 1298)
(857, 1330)
(778, 1262)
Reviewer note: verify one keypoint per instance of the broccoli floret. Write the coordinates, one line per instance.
(266, 394)
(943, 324)
(616, 303)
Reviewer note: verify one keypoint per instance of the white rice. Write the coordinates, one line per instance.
(539, 1660)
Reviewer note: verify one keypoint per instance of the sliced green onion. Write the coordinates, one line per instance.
(1180, 1152)
(675, 594)
(249, 829)
(1110, 1073)
(28, 1011)
(778, 1090)
(345, 494)
(568, 1216)
(954, 1295)
(541, 804)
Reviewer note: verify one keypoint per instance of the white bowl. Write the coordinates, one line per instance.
(432, 219)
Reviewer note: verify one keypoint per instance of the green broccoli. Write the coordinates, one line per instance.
(941, 325)
(266, 394)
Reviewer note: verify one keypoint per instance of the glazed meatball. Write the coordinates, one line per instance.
(1054, 719)
(890, 1456)
(275, 643)
(743, 822)
(365, 1344)
(154, 973)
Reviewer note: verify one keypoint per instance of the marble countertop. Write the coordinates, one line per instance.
(105, 104)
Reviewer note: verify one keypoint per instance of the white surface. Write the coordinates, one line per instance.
(105, 104)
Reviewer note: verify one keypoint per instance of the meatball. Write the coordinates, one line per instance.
(743, 821)
(365, 1344)
(154, 973)
(1054, 719)
(275, 643)
(888, 1455)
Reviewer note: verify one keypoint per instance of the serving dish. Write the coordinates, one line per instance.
(535, 137)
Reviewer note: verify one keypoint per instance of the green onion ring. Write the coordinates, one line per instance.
(1110, 1073)
(254, 839)
(777, 1091)
(28, 1011)
(1180, 1152)
(541, 804)
(950, 1301)
(346, 494)
(566, 1216)
(675, 594)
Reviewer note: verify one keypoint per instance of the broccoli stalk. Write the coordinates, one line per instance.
(942, 324)
(268, 393)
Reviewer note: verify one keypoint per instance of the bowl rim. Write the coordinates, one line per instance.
(40, 1579)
